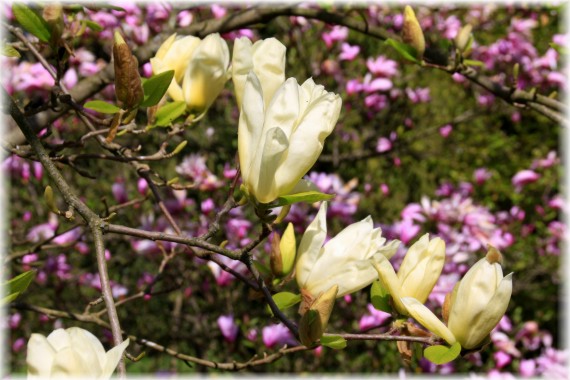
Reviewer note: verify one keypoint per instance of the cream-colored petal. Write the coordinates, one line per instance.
(413, 257)
(112, 359)
(391, 283)
(488, 317)
(242, 64)
(426, 318)
(68, 364)
(276, 144)
(250, 130)
(59, 339)
(310, 246)
(40, 356)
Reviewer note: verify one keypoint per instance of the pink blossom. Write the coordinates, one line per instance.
(353, 86)
(501, 359)
(348, 52)
(184, 18)
(385, 189)
(68, 237)
(550, 160)
(338, 33)
(481, 175)
(524, 177)
(458, 78)
(374, 318)
(527, 368)
(218, 11)
(376, 102)
(418, 95)
(557, 203)
(41, 232)
(18, 344)
(446, 130)
(408, 230)
(228, 327)
(14, 320)
(378, 84)
(119, 191)
(383, 145)
(142, 186)
(207, 206)
(278, 334)
(229, 172)
(251, 335)
(382, 66)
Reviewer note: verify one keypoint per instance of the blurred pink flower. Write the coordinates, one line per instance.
(382, 66)
(385, 189)
(228, 327)
(277, 335)
(527, 368)
(337, 33)
(383, 145)
(18, 344)
(218, 11)
(353, 86)
(418, 95)
(446, 130)
(374, 318)
(207, 206)
(524, 177)
(348, 52)
(184, 18)
(481, 175)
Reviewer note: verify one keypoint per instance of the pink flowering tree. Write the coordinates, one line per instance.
(288, 188)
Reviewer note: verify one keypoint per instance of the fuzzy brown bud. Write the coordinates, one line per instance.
(128, 86)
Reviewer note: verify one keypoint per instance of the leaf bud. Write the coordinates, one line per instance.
(462, 38)
(314, 322)
(128, 86)
(412, 32)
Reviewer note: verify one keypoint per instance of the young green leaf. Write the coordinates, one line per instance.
(155, 87)
(285, 300)
(102, 107)
(333, 341)
(9, 51)
(9, 298)
(21, 282)
(93, 25)
(168, 113)
(406, 51)
(442, 354)
(380, 297)
(472, 62)
(309, 197)
(31, 21)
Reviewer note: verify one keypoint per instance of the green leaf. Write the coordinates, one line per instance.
(31, 21)
(21, 282)
(442, 354)
(9, 298)
(406, 51)
(380, 297)
(308, 196)
(333, 341)
(168, 113)
(9, 51)
(101, 106)
(93, 25)
(155, 87)
(472, 62)
(286, 300)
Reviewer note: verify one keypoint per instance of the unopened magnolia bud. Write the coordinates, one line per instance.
(53, 15)
(493, 255)
(50, 201)
(314, 322)
(128, 86)
(275, 261)
(412, 32)
(283, 251)
(462, 38)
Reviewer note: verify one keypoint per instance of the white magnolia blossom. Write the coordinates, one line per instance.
(344, 260)
(418, 273)
(478, 303)
(278, 145)
(201, 68)
(267, 60)
(71, 353)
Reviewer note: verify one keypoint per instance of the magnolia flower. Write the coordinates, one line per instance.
(71, 353)
(200, 68)
(344, 260)
(278, 145)
(477, 304)
(267, 60)
(418, 273)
